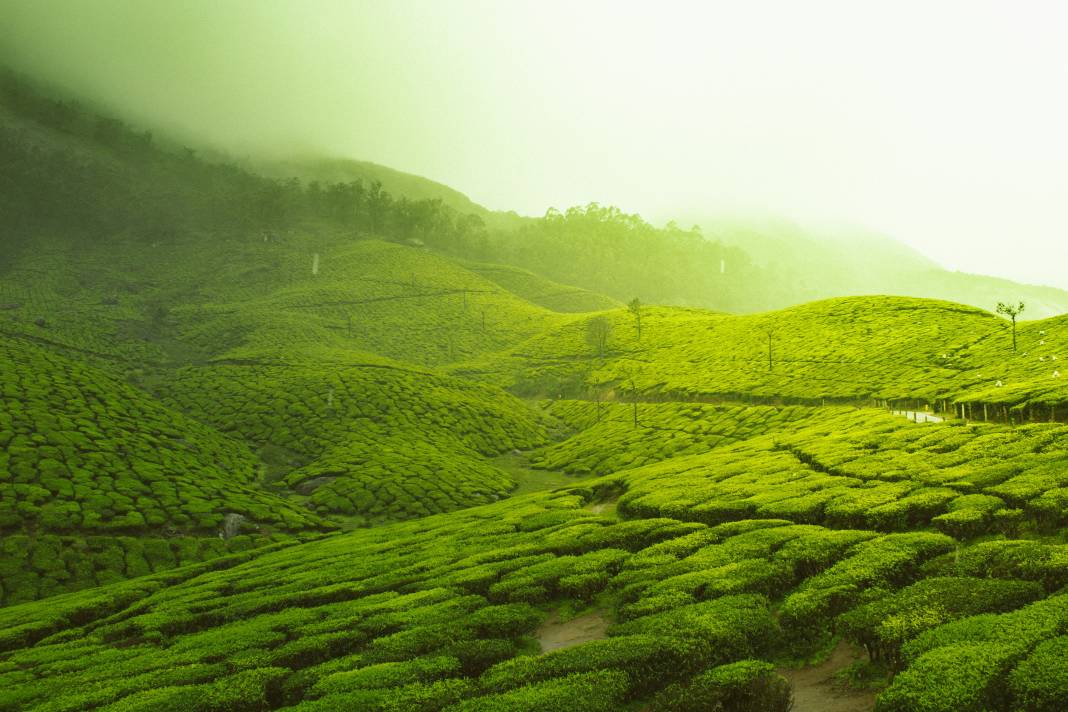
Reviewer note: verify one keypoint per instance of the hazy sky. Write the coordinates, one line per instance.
(944, 124)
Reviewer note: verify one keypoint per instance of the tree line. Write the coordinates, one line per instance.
(92, 175)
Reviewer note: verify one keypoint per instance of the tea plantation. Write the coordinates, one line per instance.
(273, 446)
(283, 492)
(442, 613)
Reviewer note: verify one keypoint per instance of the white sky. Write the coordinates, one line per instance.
(943, 124)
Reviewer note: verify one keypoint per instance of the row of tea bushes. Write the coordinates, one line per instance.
(609, 441)
(853, 468)
(885, 625)
(1028, 560)
(986, 662)
(84, 452)
(544, 292)
(374, 441)
(440, 613)
(395, 477)
(428, 613)
(403, 303)
(34, 567)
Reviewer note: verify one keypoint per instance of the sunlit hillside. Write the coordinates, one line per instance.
(334, 437)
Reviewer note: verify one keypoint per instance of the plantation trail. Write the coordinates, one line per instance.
(607, 507)
(555, 634)
(529, 479)
(816, 690)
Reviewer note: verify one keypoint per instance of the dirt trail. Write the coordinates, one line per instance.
(606, 507)
(815, 689)
(555, 634)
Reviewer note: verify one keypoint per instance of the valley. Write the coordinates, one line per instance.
(305, 448)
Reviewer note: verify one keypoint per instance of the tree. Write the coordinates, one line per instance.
(770, 334)
(635, 308)
(628, 376)
(1012, 312)
(598, 329)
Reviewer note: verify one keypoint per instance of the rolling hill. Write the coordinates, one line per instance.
(273, 447)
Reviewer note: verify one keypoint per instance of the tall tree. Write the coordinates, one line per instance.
(1012, 312)
(598, 331)
(635, 308)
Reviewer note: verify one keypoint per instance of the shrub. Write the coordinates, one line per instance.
(744, 686)
(955, 678)
(602, 691)
(1040, 682)
(883, 626)
(649, 662)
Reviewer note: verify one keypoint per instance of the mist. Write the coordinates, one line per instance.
(941, 124)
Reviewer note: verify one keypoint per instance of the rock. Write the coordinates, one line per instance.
(110, 301)
(232, 525)
(40, 322)
(308, 486)
(11, 306)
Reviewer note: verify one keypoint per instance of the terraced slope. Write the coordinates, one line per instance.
(607, 440)
(375, 440)
(99, 482)
(195, 299)
(853, 350)
(723, 564)
(863, 468)
(84, 452)
(543, 292)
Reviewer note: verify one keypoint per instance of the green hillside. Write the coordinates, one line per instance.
(713, 560)
(275, 444)
(332, 170)
(543, 292)
(857, 350)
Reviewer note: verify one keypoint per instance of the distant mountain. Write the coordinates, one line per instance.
(71, 171)
(804, 265)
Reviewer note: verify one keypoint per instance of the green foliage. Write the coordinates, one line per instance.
(744, 686)
(183, 341)
(88, 453)
(885, 625)
(1040, 682)
(599, 691)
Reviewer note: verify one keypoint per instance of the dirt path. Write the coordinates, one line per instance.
(815, 689)
(555, 634)
(605, 507)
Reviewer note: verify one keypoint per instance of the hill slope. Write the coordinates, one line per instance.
(444, 613)
(857, 350)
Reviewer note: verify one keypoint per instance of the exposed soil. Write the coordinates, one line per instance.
(605, 507)
(555, 634)
(816, 690)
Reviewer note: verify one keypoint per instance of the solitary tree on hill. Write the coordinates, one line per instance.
(770, 334)
(598, 329)
(1012, 312)
(635, 308)
(628, 376)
